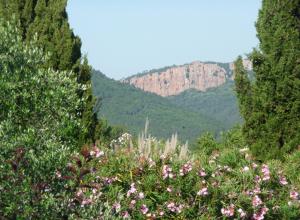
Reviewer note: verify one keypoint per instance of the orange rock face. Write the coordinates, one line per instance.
(197, 75)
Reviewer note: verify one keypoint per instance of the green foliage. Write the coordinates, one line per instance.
(271, 105)
(206, 143)
(47, 22)
(165, 117)
(89, 117)
(38, 127)
(105, 133)
(138, 187)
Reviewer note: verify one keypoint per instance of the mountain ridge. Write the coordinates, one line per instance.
(173, 80)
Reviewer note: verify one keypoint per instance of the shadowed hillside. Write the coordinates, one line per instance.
(219, 103)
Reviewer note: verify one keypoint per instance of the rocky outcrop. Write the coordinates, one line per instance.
(174, 80)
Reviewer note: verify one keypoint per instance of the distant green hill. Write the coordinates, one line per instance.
(122, 104)
(219, 103)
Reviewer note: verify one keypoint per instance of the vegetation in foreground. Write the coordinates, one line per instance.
(156, 180)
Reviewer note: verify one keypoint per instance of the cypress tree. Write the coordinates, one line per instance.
(271, 104)
(48, 21)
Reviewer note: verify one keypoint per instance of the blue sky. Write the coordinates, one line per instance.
(123, 37)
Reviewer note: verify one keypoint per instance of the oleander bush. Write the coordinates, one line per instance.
(226, 184)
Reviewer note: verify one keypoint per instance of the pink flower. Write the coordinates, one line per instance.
(86, 202)
(228, 211)
(257, 190)
(141, 195)
(257, 179)
(254, 165)
(167, 172)
(185, 169)
(294, 195)
(144, 209)
(99, 153)
(266, 172)
(108, 181)
(125, 214)
(169, 189)
(282, 180)
(256, 201)
(116, 206)
(242, 213)
(261, 214)
(179, 208)
(174, 208)
(171, 206)
(131, 190)
(96, 152)
(132, 204)
(79, 193)
(202, 173)
(203, 192)
(161, 213)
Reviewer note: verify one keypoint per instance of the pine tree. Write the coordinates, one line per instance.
(48, 20)
(271, 104)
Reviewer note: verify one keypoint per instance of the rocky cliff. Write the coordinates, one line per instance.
(174, 80)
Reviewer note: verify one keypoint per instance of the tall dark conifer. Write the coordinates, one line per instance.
(48, 21)
(271, 105)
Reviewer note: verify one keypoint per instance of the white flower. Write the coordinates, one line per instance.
(246, 169)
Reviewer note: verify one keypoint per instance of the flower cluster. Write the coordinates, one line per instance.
(266, 172)
(202, 172)
(151, 188)
(294, 195)
(256, 201)
(121, 141)
(167, 172)
(185, 169)
(260, 215)
(203, 192)
(228, 211)
(175, 208)
(282, 180)
(96, 152)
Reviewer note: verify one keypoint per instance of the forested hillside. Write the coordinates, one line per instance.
(189, 114)
(219, 103)
(125, 105)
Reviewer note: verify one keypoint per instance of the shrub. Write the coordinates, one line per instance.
(206, 144)
(38, 128)
(228, 184)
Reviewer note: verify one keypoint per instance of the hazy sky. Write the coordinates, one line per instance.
(123, 37)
